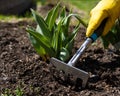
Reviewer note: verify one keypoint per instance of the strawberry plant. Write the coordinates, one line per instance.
(51, 37)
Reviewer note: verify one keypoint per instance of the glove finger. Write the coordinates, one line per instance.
(95, 21)
(108, 26)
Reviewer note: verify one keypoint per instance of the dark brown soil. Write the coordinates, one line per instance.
(21, 66)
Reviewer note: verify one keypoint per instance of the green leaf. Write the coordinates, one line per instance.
(44, 42)
(73, 34)
(113, 36)
(48, 17)
(63, 13)
(57, 40)
(64, 54)
(37, 45)
(53, 17)
(70, 40)
(105, 42)
(42, 26)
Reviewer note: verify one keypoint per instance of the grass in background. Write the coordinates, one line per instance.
(6, 18)
(9, 18)
(85, 5)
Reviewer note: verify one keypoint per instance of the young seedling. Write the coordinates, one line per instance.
(52, 38)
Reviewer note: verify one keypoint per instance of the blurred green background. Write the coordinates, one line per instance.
(84, 5)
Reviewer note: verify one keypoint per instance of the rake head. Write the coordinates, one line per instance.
(71, 70)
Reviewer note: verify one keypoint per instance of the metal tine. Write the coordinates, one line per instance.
(71, 70)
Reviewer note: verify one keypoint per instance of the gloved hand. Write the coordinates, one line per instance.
(105, 9)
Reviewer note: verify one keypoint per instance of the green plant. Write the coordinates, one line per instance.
(6, 93)
(17, 92)
(113, 36)
(51, 37)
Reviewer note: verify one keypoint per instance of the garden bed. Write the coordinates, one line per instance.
(21, 66)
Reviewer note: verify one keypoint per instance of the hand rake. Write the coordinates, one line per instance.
(70, 68)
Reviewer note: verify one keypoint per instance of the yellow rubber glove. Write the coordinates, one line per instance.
(105, 9)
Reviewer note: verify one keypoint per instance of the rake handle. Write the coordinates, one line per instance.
(87, 43)
(98, 32)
